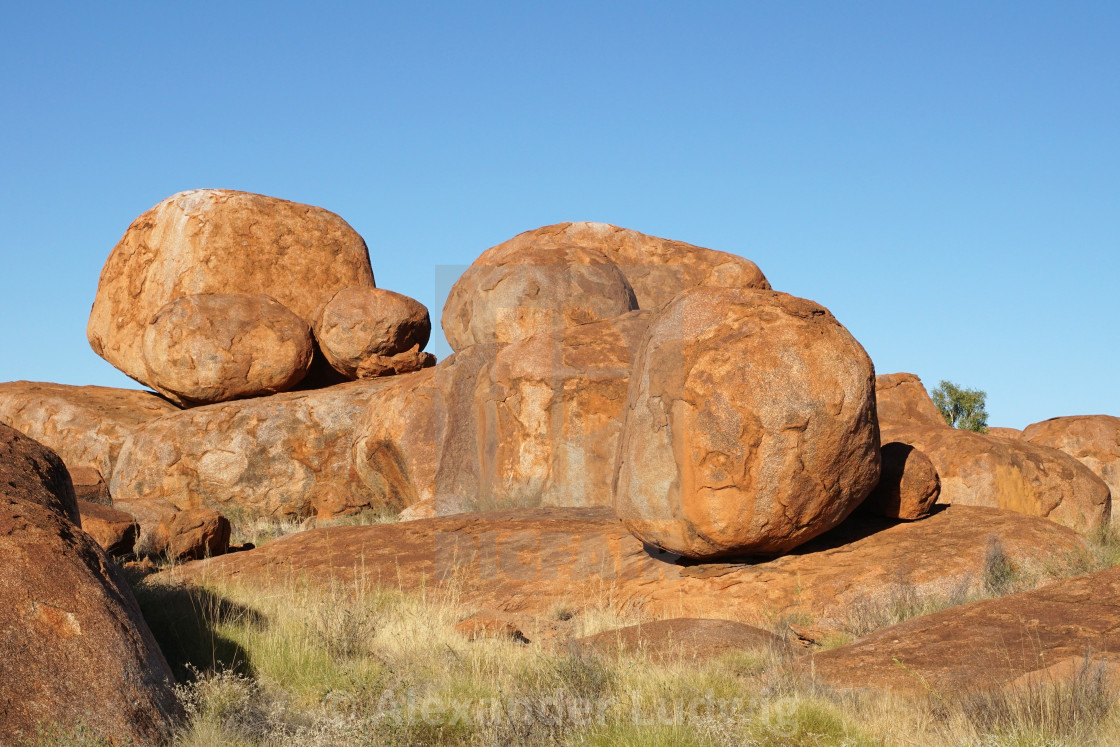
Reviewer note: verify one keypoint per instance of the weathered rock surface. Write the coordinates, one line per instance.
(114, 531)
(534, 560)
(510, 296)
(1093, 440)
(288, 455)
(193, 534)
(901, 399)
(750, 425)
(980, 470)
(34, 473)
(1012, 433)
(684, 638)
(90, 486)
(75, 647)
(908, 484)
(357, 323)
(527, 424)
(409, 361)
(220, 241)
(216, 347)
(657, 269)
(983, 645)
(85, 425)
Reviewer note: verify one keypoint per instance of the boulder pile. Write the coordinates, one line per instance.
(619, 410)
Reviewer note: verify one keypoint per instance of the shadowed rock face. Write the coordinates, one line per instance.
(750, 425)
(657, 269)
(288, 455)
(75, 647)
(527, 424)
(982, 645)
(980, 470)
(85, 425)
(902, 400)
(1093, 440)
(511, 296)
(114, 531)
(220, 241)
(529, 560)
(217, 347)
(32, 472)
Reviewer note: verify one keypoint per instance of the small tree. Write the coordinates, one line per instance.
(961, 408)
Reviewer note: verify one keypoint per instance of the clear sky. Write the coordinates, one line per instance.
(945, 177)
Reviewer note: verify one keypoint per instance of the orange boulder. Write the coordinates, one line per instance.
(900, 399)
(1093, 440)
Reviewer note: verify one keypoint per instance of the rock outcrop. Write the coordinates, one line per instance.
(288, 455)
(410, 361)
(360, 323)
(89, 485)
(1093, 440)
(1012, 433)
(216, 347)
(750, 425)
(85, 425)
(114, 531)
(533, 560)
(980, 470)
(657, 269)
(527, 424)
(509, 296)
(908, 484)
(76, 650)
(193, 534)
(901, 399)
(984, 645)
(34, 473)
(220, 241)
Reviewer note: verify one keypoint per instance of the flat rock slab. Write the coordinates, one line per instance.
(983, 645)
(529, 560)
(684, 638)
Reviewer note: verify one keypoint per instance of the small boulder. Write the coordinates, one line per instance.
(409, 361)
(191, 535)
(1093, 440)
(908, 484)
(359, 323)
(513, 296)
(900, 399)
(1012, 433)
(115, 531)
(750, 425)
(36, 474)
(980, 470)
(211, 348)
(90, 486)
(220, 241)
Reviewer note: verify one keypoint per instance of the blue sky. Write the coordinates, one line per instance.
(945, 177)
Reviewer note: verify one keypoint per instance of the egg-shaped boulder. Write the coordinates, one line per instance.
(217, 347)
(750, 425)
(513, 296)
(220, 241)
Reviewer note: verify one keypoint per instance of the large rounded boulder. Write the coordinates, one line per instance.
(220, 241)
(507, 297)
(981, 470)
(1093, 440)
(750, 425)
(217, 347)
(360, 323)
(657, 269)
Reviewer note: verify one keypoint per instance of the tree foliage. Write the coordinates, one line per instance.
(962, 408)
